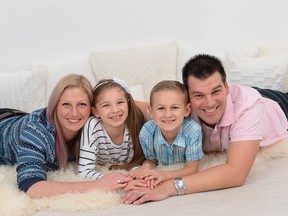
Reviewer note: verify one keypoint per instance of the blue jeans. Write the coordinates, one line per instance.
(280, 97)
(6, 113)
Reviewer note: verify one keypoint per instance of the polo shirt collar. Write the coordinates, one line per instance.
(228, 116)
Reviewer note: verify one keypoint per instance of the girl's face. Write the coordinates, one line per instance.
(112, 107)
(73, 110)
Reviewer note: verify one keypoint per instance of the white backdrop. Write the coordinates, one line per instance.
(59, 29)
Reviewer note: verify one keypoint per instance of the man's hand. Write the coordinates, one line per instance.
(142, 195)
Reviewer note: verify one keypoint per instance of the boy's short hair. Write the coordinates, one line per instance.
(170, 85)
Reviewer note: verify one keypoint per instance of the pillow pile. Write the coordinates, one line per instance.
(143, 65)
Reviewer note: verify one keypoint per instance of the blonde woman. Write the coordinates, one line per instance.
(48, 138)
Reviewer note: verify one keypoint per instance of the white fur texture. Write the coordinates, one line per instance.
(14, 202)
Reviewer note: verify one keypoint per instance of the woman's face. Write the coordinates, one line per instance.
(73, 110)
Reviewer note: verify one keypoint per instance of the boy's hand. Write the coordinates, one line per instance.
(135, 185)
(137, 172)
(153, 176)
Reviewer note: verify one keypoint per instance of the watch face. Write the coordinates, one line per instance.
(180, 184)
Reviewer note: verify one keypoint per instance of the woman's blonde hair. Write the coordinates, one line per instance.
(69, 81)
(134, 121)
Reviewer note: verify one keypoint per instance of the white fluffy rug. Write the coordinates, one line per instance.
(14, 202)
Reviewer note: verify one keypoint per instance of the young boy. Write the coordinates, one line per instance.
(170, 138)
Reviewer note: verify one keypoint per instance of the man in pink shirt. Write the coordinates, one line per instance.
(233, 118)
(247, 116)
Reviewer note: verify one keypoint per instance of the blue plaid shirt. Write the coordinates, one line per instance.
(186, 147)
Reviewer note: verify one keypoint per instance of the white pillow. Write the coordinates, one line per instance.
(264, 72)
(23, 90)
(146, 65)
(137, 92)
(58, 69)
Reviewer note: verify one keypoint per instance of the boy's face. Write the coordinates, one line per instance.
(168, 109)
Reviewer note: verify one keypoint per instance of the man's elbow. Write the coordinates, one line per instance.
(240, 180)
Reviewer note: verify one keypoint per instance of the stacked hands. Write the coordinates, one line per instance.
(137, 184)
(144, 177)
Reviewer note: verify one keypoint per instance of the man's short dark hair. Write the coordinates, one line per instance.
(202, 66)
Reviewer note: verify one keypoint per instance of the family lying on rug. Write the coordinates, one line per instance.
(203, 115)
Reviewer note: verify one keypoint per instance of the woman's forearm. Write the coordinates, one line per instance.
(47, 188)
(109, 182)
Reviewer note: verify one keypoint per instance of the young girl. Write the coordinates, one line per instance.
(111, 136)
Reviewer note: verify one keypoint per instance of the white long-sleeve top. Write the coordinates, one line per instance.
(96, 148)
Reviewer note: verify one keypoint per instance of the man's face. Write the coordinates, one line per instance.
(208, 98)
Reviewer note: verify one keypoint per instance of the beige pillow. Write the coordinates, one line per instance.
(144, 65)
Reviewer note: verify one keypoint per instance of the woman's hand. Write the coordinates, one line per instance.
(113, 181)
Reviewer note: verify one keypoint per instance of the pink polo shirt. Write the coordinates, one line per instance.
(247, 116)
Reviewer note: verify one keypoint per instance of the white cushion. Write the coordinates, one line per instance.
(145, 65)
(23, 90)
(264, 72)
(137, 92)
(57, 69)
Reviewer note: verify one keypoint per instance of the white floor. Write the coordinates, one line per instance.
(264, 193)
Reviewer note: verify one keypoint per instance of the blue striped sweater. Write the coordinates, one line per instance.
(29, 142)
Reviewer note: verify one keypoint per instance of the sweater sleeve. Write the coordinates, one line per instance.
(36, 154)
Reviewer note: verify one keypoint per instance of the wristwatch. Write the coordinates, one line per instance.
(180, 186)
